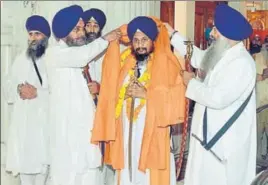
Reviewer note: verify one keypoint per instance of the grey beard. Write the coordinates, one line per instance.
(79, 42)
(36, 49)
(214, 54)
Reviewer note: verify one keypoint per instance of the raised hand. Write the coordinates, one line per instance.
(187, 76)
(169, 28)
(113, 35)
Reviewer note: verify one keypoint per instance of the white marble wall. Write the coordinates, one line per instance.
(14, 38)
(6, 57)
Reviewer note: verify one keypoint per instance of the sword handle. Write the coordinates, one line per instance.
(89, 80)
(86, 74)
(95, 99)
(211, 151)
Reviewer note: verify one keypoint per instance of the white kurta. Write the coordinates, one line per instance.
(27, 135)
(95, 71)
(138, 177)
(71, 114)
(223, 92)
(95, 68)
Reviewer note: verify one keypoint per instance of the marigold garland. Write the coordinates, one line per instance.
(144, 79)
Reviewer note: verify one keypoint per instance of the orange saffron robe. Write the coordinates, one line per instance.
(164, 107)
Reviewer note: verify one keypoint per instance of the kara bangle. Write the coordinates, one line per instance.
(172, 34)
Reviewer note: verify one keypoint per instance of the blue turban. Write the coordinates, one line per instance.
(231, 23)
(65, 20)
(144, 24)
(38, 23)
(97, 14)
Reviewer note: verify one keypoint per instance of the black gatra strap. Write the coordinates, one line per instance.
(226, 126)
(37, 71)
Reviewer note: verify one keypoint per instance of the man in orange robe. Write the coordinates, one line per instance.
(155, 109)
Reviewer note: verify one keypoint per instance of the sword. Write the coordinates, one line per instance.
(89, 80)
(131, 127)
(95, 99)
(211, 151)
(188, 68)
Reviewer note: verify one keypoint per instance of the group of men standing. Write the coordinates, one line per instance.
(43, 133)
(79, 128)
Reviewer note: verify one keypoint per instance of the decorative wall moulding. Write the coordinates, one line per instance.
(32, 4)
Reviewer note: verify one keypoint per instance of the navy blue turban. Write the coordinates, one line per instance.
(231, 23)
(65, 20)
(97, 14)
(144, 24)
(38, 23)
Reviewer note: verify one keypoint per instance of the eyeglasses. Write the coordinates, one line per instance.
(138, 42)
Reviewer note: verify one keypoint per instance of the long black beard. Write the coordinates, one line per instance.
(91, 36)
(142, 57)
(36, 49)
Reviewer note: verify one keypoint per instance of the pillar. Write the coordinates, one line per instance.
(184, 22)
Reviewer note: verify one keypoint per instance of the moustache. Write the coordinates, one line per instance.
(92, 34)
(33, 42)
(80, 39)
(141, 49)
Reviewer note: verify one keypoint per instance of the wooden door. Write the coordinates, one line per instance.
(204, 15)
(167, 9)
(198, 29)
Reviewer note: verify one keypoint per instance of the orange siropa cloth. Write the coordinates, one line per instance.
(164, 107)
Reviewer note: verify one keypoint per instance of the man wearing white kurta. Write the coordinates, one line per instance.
(227, 76)
(27, 89)
(95, 20)
(74, 161)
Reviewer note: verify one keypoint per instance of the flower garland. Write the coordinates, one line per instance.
(144, 79)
